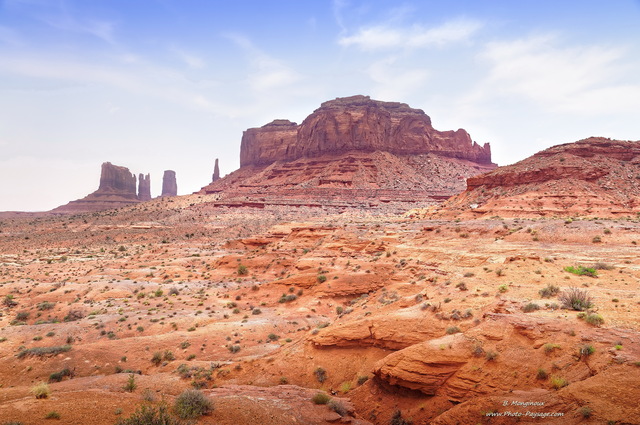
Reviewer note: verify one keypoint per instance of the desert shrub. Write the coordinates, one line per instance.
(43, 351)
(59, 376)
(8, 301)
(582, 271)
(174, 291)
(21, 316)
(600, 265)
(530, 307)
(320, 398)
(321, 278)
(558, 382)
(338, 406)
(168, 355)
(256, 311)
(46, 305)
(273, 337)
(131, 385)
(593, 319)
(542, 374)
(234, 348)
(191, 404)
(491, 355)
(73, 315)
(549, 291)
(41, 390)
(452, 330)
(321, 374)
(157, 358)
(52, 415)
(151, 415)
(549, 347)
(242, 270)
(397, 419)
(586, 350)
(576, 299)
(585, 411)
(596, 239)
(503, 288)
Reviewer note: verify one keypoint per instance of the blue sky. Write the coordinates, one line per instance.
(171, 84)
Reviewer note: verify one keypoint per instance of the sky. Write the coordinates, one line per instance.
(172, 84)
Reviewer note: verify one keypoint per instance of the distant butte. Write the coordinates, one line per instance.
(352, 151)
(591, 177)
(117, 188)
(169, 184)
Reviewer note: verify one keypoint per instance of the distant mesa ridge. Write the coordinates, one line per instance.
(357, 123)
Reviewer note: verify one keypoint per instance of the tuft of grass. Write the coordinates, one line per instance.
(549, 347)
(542, 374)
(600, 265)
(52, 415)
(586, 350)
(242, 270)
(530, 307)
(41, 390)
(157, 358)
(576, 299)
(549, 291)
(191, 404)
(585, 411)
(59, 376)
(491, 355)
(593, 319)
(558, 382)
(320, 398)
(338, 406)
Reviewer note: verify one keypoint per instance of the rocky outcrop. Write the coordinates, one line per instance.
(144, 187)
(595, 176)
(352, 152)
(216, 172)
(117, 188)
(169, 185)
(357, 123)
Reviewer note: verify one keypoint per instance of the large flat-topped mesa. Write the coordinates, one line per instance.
(352, 152)
(357, 123)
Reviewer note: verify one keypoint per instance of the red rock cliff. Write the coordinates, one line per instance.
(357, 123)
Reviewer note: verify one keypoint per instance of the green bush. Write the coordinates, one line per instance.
(157, 358)
(593, 319)
(321, 374)
(338, 406)
(242, 270)
(151, 415)
(582, 271)
(320, 398)
(322, 278)
(192, 404)
(52, 415)
(452, 330)
(530, 307)
(558, 382)
(131, 385)
(542, 374)
(59, 376)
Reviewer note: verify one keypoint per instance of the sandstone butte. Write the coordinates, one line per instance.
(352, 151)
(117, 188)
(596, 177)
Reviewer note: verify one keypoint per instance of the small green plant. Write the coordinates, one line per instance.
(320, 398)
(59, 376)
(593, 319)
(321, 278)
(549, 347)
(234, 348)
(43, 351)
(452, 330)
(191, 404)
(242, 270)
(586, 350)
(491, 355)
(542, 374)
(52, 415)
(41, 390)
(585, 411)
(157, 358)
(499, 272)
(131, 385)
(345, 387)
(582, 271)
(503, 288)
(549, 291)
(530, 307)
(576, 299)
(558, 382)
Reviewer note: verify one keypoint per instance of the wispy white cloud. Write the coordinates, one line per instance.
(193, 61)
(392, 81)
(384, 36)
(584, 79)
(337, 7)
(266, 72)
(103, 30)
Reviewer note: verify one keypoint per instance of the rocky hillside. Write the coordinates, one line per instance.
(592, 177)
(352, 151)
